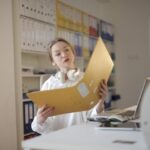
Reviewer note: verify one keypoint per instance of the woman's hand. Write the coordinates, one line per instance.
(102, 93)
(43, 113)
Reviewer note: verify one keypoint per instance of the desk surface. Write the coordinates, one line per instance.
(88, 137)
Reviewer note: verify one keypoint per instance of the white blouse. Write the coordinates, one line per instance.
(65, 120)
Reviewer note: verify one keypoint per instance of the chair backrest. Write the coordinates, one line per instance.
(43, 78)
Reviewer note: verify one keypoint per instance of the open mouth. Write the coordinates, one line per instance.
(66, 60)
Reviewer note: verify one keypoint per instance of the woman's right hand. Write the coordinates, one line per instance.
(43, 113)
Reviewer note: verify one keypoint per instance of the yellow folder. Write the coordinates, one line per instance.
(82, 96)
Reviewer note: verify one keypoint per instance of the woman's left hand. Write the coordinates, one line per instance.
(102, 93)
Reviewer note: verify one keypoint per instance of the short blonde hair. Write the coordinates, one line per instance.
(56, 41)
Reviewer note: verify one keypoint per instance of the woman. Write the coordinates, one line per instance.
(62, 55)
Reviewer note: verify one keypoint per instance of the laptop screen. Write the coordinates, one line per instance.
(138, 109)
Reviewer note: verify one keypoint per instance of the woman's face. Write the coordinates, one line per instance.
(63, 56)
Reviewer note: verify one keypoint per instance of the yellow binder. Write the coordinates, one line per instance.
(83, 95)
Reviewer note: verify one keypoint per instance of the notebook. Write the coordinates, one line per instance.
(130, 113)
(82, 96)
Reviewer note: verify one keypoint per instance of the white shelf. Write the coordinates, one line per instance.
(31, 76)
(35, 52)
(26, 100)
(38, 20)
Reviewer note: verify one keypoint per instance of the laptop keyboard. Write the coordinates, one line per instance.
(128, 113)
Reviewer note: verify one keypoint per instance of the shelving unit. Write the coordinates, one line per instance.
(38, 28)
(40, 22)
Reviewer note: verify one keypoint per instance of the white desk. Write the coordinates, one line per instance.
(86, 137)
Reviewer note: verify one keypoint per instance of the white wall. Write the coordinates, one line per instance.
(130, 18)
(132, 46)
(8, 133)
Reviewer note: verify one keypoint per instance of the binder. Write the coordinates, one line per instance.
(29, 113)
(26, 120)
(78, 41)
(82, 96)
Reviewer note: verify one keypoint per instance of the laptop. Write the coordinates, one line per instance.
(131, 113)
(135, 114)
